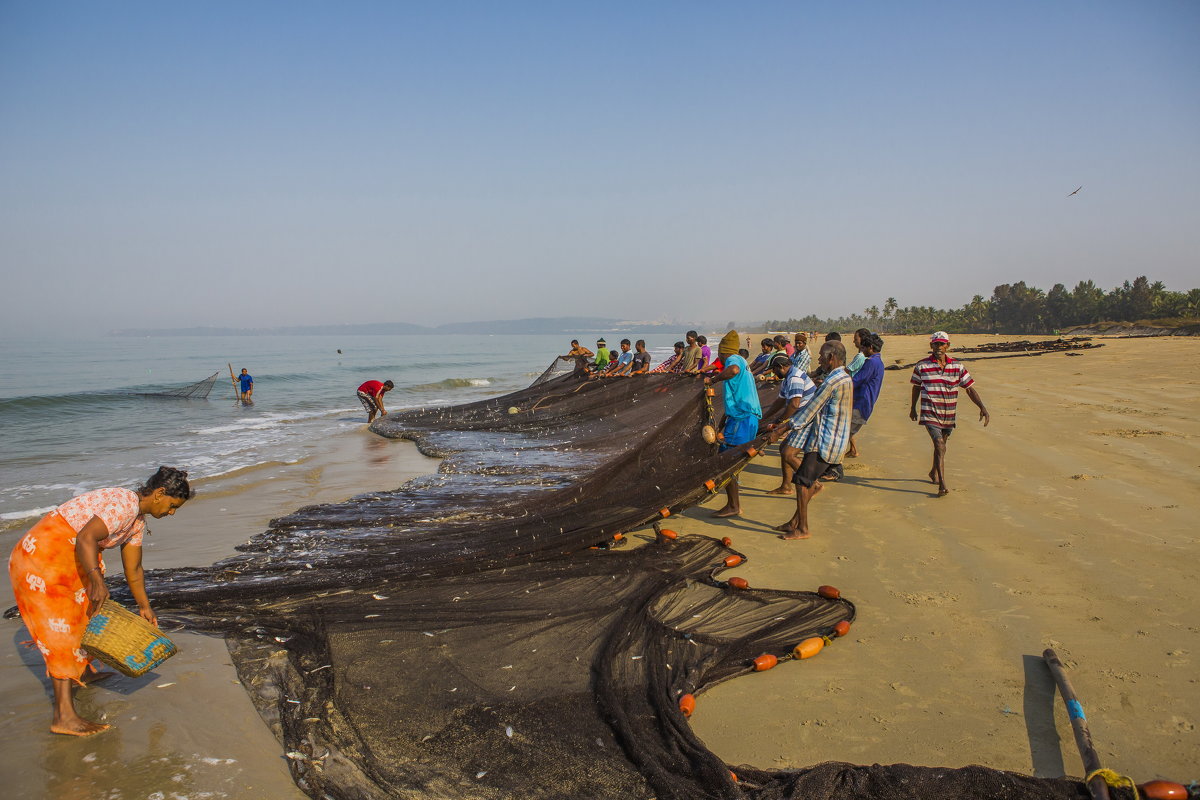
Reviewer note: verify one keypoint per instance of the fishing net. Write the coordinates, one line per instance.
(193, 391)
(463, 636)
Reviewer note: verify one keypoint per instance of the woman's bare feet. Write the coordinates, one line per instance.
(783, 490)
(943, 491)
(728, 512)
(77, 727)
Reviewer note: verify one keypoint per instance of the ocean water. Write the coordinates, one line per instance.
(73, 416)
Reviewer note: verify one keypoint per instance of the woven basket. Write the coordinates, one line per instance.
(125, 641)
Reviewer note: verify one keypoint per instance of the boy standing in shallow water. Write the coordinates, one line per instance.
(936, 381)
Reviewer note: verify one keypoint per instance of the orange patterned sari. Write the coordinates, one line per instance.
(51, 596)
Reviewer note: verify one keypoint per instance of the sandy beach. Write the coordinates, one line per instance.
(1069, 524)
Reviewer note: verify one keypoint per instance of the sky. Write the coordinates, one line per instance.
(284, 163)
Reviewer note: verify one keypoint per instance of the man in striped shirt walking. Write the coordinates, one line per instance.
(936, 381)
(821, 431)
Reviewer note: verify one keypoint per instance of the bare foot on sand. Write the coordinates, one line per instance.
(795, 534)
(78, 727)
(783, 490)
(851, 454)
(785, 527)
(728, 512)
(942, 492)
(933, 476)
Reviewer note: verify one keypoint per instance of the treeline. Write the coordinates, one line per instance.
(1017, 308)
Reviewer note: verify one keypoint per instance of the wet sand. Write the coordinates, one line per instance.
(1071, 523)
(188, 728)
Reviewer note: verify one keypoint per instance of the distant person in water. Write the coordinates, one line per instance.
(742, 412)
(674, 362)
(245, 387)
(936, 381)
(641, 359)
(57, 575)
(370, 394)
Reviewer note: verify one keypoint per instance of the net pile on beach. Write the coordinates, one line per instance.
(192, 391)
(460, 638)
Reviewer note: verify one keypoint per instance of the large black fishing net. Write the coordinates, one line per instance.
(463, 637)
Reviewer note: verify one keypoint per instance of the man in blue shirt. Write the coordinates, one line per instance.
(246, 387)
(742, 411)
(867, 383)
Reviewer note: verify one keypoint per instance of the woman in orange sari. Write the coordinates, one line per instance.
(57, 576)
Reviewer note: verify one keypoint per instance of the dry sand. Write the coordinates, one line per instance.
(1071, 523)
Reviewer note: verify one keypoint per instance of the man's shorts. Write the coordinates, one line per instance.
(857, 420)
(368, 402)
(938, 432)
(795, 439)
(739, 431)
(811, 468)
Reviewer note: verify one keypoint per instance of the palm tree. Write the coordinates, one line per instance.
(889, 310)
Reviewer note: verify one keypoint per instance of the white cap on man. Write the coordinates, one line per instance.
(939, 336)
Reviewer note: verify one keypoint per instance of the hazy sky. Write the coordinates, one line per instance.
(272, 163)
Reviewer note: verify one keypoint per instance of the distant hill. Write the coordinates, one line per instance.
(536, 325)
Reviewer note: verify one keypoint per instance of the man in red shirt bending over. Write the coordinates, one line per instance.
(370, 394)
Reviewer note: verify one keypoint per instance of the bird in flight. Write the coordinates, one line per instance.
(1072, 194)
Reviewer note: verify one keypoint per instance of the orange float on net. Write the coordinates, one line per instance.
(664, 512)
(739, 583)
(710, 391)
(733, 775)
(752, 452)
(809, 647)
(687, 704)
(711, 485)
(667, 533)
(765, 662)
(618, 537)
(733, 560)
(841, 629)
(1163, 790)
(829, 592)
(727, 542)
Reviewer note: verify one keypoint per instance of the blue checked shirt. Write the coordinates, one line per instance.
(823, 424)
(801, 359)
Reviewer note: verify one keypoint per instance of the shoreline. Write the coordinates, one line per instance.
(188, 726)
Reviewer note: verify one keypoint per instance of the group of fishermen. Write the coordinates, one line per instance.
(818, 410)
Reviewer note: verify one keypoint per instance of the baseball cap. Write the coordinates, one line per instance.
(940, 336)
